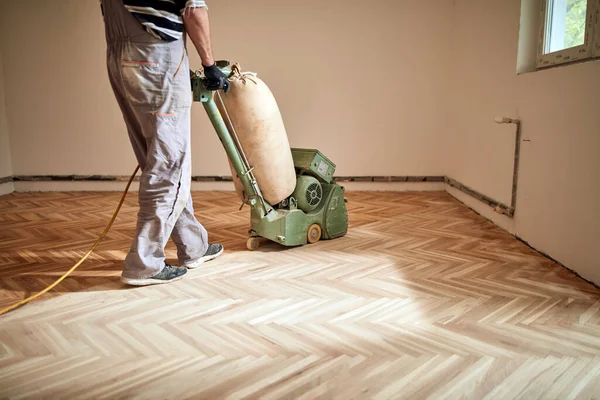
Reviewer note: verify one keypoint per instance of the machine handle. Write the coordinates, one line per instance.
(198, 80)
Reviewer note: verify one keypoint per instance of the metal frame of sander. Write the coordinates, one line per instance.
(317, 208)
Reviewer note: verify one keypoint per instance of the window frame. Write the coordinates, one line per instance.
(589, 49)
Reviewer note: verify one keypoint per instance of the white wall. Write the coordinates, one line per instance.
(362, 82)
(559, 185)
(5, 160)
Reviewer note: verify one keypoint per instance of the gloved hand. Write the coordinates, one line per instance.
(215, 79)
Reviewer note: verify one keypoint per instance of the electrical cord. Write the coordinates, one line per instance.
(66, 274)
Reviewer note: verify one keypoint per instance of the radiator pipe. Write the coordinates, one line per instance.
(513, 198)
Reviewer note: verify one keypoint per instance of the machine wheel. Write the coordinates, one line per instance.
(253, 243)
(314, 233)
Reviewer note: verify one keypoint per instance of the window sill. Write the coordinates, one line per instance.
(529, 70)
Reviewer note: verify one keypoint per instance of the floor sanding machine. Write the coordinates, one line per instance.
(317, 207)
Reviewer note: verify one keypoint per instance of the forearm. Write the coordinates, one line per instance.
(198, 28)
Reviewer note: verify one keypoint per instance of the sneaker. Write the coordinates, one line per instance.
(167, 275)
(214, 251)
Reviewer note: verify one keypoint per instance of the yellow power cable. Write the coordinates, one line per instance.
(59, 280)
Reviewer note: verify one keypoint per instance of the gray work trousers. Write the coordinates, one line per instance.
(150, 80)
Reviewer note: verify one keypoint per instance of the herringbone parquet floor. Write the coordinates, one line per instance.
(422, 299)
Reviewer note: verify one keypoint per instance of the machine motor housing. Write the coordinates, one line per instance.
(308, 193)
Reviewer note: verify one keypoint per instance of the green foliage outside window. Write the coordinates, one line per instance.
(575, 26)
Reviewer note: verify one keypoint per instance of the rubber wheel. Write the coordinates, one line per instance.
(253, 243)
(314, 233)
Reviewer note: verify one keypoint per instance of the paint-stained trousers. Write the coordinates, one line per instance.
(150, 80)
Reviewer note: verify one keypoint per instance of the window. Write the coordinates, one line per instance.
(569, 31)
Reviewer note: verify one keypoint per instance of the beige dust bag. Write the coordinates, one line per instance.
(259, 126)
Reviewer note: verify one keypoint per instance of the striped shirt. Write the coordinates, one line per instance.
(161, 18)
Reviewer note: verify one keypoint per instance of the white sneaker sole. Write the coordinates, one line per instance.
(204, 259)
(148, 281)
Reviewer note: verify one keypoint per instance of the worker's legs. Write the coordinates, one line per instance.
(188, 234)
(151, 83)
(159, 128)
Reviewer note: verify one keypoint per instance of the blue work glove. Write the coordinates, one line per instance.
(215, 79)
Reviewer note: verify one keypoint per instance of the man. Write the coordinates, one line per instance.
(148, 69)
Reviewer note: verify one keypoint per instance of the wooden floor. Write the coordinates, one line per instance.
(422, 299)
